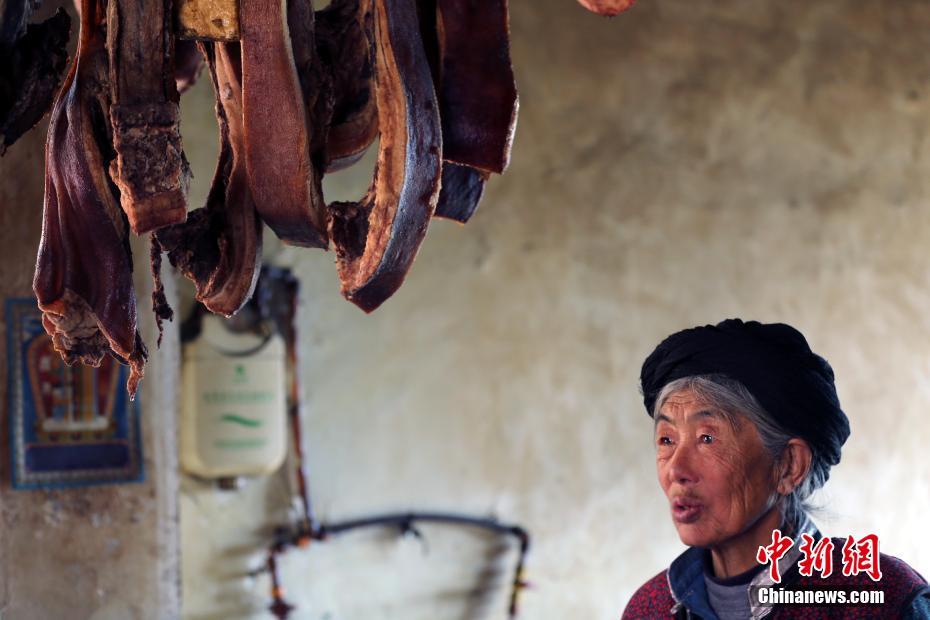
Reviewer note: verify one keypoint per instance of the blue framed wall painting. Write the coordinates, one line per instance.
(69, 425)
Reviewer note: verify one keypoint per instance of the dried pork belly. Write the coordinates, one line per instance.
(30, 74)
(377, 238)
(345, 40)
(150, 168)
(83, 277)
(188, 63)
(476, 89)
(461, 192)
(488, 100)
(607, 8)
(315, 79)
(219, 247)
(285, 184)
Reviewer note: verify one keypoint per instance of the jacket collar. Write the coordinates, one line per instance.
(686, 577)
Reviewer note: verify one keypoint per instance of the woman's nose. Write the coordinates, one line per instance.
(681, 466)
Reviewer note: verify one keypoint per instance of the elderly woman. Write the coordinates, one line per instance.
(747, 426)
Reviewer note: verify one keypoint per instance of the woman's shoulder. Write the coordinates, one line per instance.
(894, 570)
(904, 589)
(652, 599)
(900, 570)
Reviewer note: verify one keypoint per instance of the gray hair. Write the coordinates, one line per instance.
(732, 400)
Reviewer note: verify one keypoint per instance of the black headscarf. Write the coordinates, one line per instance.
(773, 361)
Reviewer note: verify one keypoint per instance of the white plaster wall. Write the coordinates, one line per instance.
(107, 552)
(683, 163)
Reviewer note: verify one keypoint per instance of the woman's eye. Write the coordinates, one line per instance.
(705, 438)
(665, 441)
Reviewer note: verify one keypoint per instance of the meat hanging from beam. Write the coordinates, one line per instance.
(34, 62)
(315, 81)
(150, 168)
(188, 63)
(83, 278)
(462, 189)
(477, 95)
(378, 237)
(285, 184)
(345, 40)
(607, 8)
(299, 93)
(219, 247)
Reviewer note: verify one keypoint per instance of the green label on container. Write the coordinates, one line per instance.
(234, 418)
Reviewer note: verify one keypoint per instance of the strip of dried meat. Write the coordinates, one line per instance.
(462, 188)
(607, 8)
(450, 58)
(377, 238)
(150, 168)
(315, 79)
(14, 16)
(188, 63)
(476, 89)
(428, 14)
(160, 306)
(219, 247)
(284, 182)
(30, 75)
(345, 40)
(83, 278)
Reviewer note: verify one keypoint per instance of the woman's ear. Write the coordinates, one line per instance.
(795, 463)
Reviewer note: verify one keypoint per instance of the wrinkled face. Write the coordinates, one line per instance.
(718, 479)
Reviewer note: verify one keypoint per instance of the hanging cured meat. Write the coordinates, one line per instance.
(469, 53)
(149, 169)
(298, 93)
(345, 41)
(34, 61)
(462, 188)
(608, 8)
(477, 94)
(219, 246)
(188, 64)
(378, 238)
(284, 182)
(315, 81)
(83, 278)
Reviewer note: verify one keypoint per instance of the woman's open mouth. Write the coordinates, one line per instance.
(685, 510)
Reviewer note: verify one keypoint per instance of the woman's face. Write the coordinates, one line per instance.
(718, 479)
